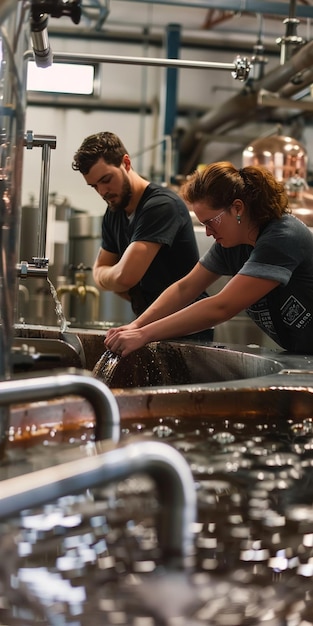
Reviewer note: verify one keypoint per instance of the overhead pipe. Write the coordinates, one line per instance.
(239, 67)
(267, 7)
(239, 109)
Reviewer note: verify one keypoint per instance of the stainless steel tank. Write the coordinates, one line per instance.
(13, 41)
(85, 241)
(35, 302)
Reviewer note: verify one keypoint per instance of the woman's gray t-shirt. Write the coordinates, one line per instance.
(283, 252)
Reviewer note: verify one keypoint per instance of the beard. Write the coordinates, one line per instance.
(120, 202)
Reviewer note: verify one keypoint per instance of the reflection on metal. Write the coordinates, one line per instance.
(287, 159)
(13, 37)
(161, 462)
(283, 156)
(37, 355)
(77, 383)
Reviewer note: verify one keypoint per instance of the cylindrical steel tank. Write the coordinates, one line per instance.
(35, 305)
(85, 241)
(13, 41)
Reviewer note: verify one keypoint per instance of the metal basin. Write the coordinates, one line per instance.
(170, 363)
(159, 363)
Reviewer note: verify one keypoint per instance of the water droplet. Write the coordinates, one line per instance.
(162, 431)
(223, 438)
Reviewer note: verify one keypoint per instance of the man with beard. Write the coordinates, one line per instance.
(148, 240)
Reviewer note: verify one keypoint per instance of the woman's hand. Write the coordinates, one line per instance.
(124, 340)
(112, 331)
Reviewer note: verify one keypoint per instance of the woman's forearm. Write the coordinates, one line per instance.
(171, 300)
(194, 318)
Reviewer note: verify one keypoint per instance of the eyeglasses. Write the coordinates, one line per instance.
(214, 220)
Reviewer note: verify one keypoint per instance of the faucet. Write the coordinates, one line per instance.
(39, 266)
(37, 269)
(81, 289)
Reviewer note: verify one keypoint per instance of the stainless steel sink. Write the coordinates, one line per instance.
(173, 363)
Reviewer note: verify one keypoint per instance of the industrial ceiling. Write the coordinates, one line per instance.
(250, 27)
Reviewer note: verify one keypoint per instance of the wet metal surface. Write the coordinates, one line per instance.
(161, 364)
(94, 558)
(247, 436)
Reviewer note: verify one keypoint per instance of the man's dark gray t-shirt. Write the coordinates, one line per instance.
(161, 217)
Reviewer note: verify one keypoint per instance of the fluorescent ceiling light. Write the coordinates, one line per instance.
(61, 78)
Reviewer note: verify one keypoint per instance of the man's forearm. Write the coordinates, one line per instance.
(107, 278)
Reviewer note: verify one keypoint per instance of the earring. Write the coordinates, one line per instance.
(238, 218)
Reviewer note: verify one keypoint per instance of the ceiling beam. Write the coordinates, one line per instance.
(240, 6)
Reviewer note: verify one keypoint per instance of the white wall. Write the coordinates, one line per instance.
(119, 83)
(70, 128)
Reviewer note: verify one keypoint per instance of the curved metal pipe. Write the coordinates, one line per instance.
(165, 465)
(76, 382)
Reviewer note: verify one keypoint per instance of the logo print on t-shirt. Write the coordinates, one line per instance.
(292, 310)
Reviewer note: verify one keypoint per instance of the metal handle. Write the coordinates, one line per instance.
(77, 382)
(165, 465)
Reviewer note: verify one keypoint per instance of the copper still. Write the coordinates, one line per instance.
(287, 159)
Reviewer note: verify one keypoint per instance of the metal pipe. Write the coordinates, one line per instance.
(46, 142)
(266, 7)
(77, 382)
(77, 57)
(44, 200)
(40, 40)
(165, 465)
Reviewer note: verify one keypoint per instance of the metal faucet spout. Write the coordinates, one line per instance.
(35, 270)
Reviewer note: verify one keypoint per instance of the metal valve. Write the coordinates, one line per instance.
(242, 68)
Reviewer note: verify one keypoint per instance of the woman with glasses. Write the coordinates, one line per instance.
(259, 244)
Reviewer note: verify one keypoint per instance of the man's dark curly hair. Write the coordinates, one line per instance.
(103, 145)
